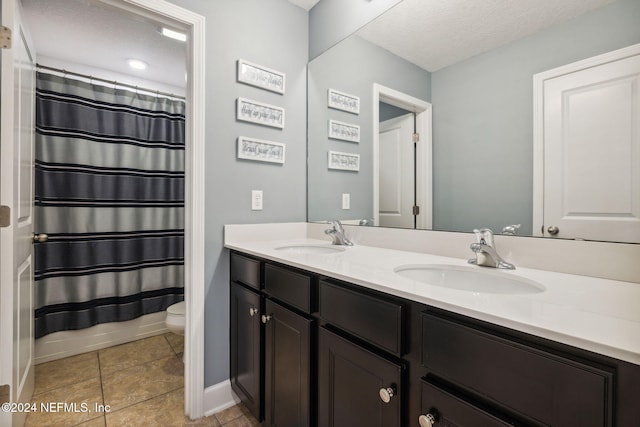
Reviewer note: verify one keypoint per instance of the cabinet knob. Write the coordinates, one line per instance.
(387, 393)
(266, 318)
(40, 237)
(428, 420)
(253, 311)
(553, 230)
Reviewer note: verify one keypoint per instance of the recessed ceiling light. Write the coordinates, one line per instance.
(137, 64)
(176, 35)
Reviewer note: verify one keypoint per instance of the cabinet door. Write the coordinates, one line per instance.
(245, 347)
(351, 384)
(287, 367)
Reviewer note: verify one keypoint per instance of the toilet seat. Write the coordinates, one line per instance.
(175, 320)
(177, 309)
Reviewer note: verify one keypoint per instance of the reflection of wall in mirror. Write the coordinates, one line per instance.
(354, 66)
(482, 118)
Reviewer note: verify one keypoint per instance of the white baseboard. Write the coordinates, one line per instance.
(219, 397)
(69, 343)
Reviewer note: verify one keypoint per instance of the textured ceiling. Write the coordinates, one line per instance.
(88, 32)
(436, 33)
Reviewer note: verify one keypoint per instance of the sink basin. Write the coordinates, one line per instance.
(311, 249)
(472, 279)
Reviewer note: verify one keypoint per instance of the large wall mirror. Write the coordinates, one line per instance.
(461, 74)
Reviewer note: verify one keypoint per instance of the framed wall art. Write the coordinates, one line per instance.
(344, 131)
(343, 101)
(260, 113)
(260, 150)
(344, 161)
(259, 76)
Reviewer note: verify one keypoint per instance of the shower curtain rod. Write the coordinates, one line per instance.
(113, 82)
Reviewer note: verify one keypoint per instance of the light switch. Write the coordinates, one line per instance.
(346, 201)
(256, 200)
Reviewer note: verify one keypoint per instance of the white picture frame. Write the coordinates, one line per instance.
(343, 161)
(260, 150)
(343, 101)
(260, 76)
(248, 110)
(344, 131)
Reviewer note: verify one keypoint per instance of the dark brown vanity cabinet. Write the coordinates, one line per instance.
(246, 337)
(287, 367)
(314, 351)
(515, 381)
(271, 337)
(360, 373)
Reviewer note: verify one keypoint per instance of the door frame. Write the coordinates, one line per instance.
(423, 111)
(538, 121)
(194, 25)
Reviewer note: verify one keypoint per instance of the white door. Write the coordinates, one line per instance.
(16, 192)
(591, 161)
(397, 172)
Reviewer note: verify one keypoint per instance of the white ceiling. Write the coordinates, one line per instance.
(91, 33)
(436, 33)
(429, 33)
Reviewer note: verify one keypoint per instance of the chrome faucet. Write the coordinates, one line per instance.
(511, 230)
(485, 251)
(337, 234)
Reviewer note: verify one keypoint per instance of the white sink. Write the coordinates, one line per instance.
(311, 249)
(472, 279)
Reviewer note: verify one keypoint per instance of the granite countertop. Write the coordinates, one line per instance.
(599, 315)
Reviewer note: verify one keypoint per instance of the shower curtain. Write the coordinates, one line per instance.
(109, 192)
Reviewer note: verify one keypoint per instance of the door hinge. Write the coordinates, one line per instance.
(5, 216)
(416, 210)
(5, 37)
(415, 137)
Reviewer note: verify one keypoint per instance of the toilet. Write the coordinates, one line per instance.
(175, 318)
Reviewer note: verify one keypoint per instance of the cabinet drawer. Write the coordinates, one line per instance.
(449, 410)
(290, 287)
(372, 319)
(545, 387)
(245, 270)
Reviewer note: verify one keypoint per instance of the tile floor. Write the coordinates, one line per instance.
(142, 382)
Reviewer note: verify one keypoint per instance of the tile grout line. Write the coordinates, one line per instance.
(104, 415)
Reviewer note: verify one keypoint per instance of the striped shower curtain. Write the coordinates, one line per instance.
(109, 192)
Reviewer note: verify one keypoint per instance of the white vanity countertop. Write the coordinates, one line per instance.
(598, 315)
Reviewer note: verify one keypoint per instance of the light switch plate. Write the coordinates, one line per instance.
(256, 200)
(346, 201)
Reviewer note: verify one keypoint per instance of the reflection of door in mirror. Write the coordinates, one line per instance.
(589, 148)
(397, 195)
(402, 194)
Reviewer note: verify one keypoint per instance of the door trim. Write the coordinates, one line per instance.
(194, 25)
(538, 121)
(423, 112)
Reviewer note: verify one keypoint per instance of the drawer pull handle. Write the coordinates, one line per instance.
(266, 318)
(387, 393)
(428, 420)
(253, 311)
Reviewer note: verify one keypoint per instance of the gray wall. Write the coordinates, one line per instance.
(352, 66)
(273, 33)
(483, 118)
(332, 20)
